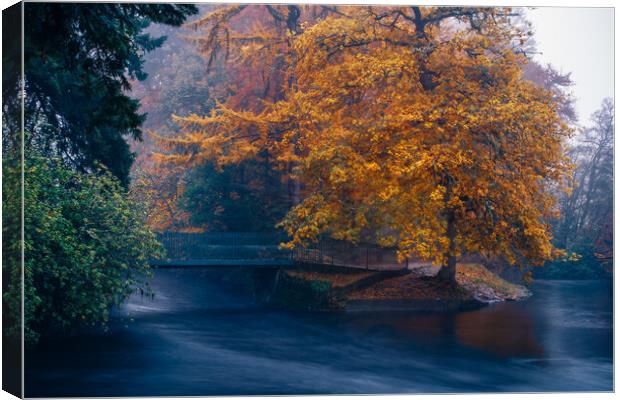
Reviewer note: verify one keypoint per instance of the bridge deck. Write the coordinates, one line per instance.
(214, 263)
(262, 250)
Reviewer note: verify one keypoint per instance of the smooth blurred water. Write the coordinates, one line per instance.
(197, 337)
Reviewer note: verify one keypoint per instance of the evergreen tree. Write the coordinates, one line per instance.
(79, 61)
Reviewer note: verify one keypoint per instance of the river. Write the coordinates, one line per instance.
(197, 337)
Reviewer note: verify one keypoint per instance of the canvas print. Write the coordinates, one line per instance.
(306, 199)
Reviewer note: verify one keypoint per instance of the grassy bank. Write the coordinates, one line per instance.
(326, 289)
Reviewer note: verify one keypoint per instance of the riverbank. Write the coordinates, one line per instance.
(353, 290)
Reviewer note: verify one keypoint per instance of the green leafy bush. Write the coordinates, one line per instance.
(86, 246)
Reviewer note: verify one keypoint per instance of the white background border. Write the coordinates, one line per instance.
(520, 3)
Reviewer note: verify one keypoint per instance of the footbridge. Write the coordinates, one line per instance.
(258, 249)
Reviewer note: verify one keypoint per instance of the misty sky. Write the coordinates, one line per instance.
(580, 41)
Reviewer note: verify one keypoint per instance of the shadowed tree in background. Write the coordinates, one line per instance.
(586, 223)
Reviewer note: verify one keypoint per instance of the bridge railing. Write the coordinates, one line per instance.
(222, 245)
(266, 246)
(346, 254)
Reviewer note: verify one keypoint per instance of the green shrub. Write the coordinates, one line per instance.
(86, 247)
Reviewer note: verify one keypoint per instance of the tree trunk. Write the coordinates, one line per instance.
(447, 273)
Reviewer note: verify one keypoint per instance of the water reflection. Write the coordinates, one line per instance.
(504, 330)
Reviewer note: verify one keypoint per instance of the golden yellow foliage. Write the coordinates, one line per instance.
(413, 124)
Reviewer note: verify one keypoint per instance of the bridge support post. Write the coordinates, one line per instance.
(265, 283)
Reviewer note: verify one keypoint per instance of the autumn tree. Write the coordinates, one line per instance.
(176, 84)
(407, 126)
(253, 44)
(208, 200)
(198, 196)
